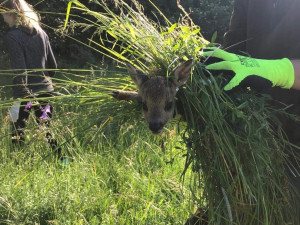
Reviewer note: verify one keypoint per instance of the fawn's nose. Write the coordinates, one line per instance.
(156, 127)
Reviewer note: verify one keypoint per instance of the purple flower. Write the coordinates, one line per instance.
(28, 105)
(45, 111)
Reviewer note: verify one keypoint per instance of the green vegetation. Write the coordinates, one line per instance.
(210, 15)
(232, 142)
(118, 173)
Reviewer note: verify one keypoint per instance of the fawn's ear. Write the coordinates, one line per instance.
(182, 72)
(136, 75)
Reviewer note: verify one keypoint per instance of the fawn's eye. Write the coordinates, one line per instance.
(169, 106)
(145, 108)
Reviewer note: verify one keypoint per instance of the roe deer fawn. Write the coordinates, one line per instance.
(157, 94)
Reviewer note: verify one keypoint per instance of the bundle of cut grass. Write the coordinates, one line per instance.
(232, 142)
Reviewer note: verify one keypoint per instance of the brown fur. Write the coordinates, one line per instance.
(157, 94)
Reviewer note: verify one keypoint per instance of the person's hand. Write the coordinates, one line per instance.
(257, 73)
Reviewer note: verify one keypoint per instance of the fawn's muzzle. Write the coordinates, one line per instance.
(156, 127)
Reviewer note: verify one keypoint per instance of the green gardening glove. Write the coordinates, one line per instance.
(279, 72)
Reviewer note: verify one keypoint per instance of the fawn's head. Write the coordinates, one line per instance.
(158, 93)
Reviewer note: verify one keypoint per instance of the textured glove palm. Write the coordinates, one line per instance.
(279, 72)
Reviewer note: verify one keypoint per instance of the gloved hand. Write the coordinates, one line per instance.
(279, 72)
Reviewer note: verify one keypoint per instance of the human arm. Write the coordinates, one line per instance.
(16, 54)
(18, 65)
(296, 65)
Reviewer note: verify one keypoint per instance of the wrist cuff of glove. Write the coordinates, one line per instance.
(286, 78)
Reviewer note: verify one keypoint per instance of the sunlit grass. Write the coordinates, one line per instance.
(117, 171)
(232, 141)
(121, 174)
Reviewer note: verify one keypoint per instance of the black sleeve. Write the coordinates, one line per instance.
(235, 38)
(51, 62)
(18, 64)
(16, 54)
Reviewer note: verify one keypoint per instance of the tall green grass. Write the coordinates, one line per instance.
(121, 174)
(233, 142)
(117, 171)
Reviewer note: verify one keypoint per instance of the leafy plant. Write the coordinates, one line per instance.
(232, 140)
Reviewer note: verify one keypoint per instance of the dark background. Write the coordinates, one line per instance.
(210, 15)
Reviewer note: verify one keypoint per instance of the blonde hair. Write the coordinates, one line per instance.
(24, 13)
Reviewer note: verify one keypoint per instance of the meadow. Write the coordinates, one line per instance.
(227, 158)
(117, 171)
